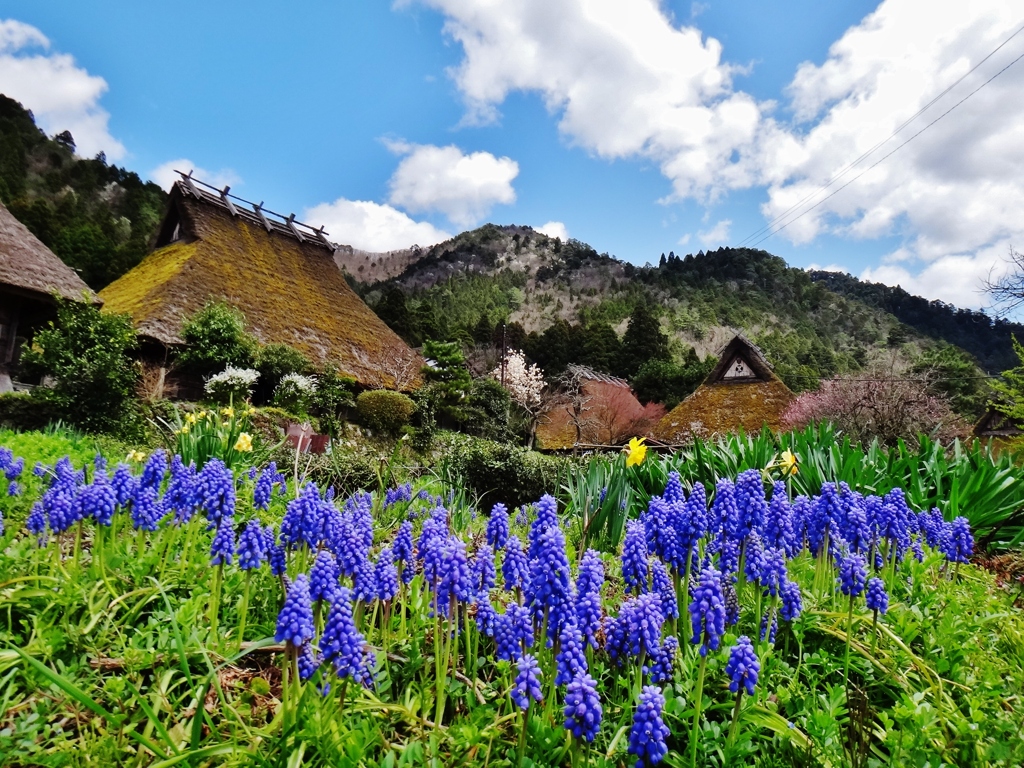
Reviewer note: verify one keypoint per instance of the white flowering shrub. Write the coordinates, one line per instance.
(295, 392)
(231, 384)
(524, 382)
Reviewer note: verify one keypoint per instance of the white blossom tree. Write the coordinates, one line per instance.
(525, 383)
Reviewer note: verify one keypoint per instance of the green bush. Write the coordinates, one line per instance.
(384, 411)
(20, 411)
(347, 471)
(215, 339)
(332, 399)
(502, 472)
(85, 353)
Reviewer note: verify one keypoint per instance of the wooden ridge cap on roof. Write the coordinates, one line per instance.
(253, 212)
(740, 344)
(589, 373)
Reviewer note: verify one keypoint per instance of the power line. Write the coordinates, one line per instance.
(930, 380)
(889, 154)
(892, 135)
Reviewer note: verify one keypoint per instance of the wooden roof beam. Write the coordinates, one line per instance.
(263, 219)
(322, 236)
(290, 221)
(227, 201)
(187, 181)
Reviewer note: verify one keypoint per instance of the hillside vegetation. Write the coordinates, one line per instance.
(565, 303)
(97, 217)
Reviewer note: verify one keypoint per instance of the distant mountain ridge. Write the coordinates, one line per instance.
(809, 324)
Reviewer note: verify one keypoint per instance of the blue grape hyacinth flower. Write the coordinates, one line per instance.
(527, 683)
(295, 621)
(743, 667)
(648, 734)
(583, 707)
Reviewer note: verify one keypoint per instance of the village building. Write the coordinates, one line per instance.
(279, 272)
(31, 275)
(742, 392)
(998, 430)
(590, 409)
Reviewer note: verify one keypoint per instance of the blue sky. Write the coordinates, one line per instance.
(638, 127)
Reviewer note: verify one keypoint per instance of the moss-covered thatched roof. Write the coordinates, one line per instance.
(286, 284)
(29, 267)
(726, 403)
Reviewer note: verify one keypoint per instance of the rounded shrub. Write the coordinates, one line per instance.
(383, 410)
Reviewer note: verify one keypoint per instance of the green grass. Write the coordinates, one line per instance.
(107, 657)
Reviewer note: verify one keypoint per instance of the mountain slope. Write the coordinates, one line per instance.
(555, 293)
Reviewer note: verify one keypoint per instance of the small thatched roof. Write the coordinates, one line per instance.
(279, 272)
(742, 392)
(29, 267)
(607, 405)
(997, 424)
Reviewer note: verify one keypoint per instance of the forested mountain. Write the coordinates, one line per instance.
(97, 217)
(988, 339)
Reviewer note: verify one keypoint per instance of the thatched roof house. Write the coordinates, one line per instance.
(742, 392)
(998, 429)
(279, 272)
(591, 408)
(30, 276)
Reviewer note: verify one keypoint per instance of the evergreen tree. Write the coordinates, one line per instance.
(601, 348)
(643, 341)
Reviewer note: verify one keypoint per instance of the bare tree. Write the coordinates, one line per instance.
(575, 401)
(1007, 291)
(390, 370)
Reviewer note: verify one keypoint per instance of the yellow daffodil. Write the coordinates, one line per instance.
(636, 451)
(190, 418)
(184, 429)
(226, 424)
(202, 415)
(244, 443)
(788, 462)
(229, 412)
(138, 456)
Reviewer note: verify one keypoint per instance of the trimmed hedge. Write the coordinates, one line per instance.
(384, 411)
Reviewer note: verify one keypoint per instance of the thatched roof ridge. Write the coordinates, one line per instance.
(723, 405)
(29, 266)
(741, 345)
(288, 287)
(585, 372)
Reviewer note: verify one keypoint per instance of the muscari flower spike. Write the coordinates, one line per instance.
(634, 558)
(589, 582)
(571, 658)
(295, 621)
(853, 574)
(661, 585)
(877, 598)
(743, 667)
(660, 667)
(515, 569)
(583, 707)
(342, 644)
(323, 577)
(550, 588)
(527, 683)
(513, 630)
(707, 611)
(482, 570)
(222, 549)
(497, 527)
(958, 544)
(386, 575)
(252, 546)
(792, 601)
(648, 734)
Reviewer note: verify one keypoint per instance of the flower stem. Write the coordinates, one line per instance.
(735, 718)
(697, 703)
(849, 636)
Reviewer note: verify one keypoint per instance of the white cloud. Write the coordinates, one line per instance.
(61, 95)
(684, 240)
(624, 80)
(445, 179)
(717, 235)
(952, 193)
(165, 174)
(554, 229)
(827, 268)
(371, 226)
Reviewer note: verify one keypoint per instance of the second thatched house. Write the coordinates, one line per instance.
(278, 271)
(590, 408)
(31, 275)
(742, 392)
